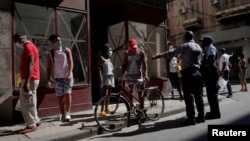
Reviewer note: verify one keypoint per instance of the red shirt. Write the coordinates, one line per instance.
(30, 49)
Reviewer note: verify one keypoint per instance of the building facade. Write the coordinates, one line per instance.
(38, 20)
(84, 26)
(225, 20)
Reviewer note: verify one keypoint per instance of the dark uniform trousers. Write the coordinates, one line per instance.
(211, 77)
(192, 89)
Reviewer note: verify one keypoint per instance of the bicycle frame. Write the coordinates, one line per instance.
(128, 94)
(123, 107)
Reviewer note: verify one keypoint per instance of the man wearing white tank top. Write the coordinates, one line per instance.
(61, 59)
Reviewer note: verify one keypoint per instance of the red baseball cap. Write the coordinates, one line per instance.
(133, 43)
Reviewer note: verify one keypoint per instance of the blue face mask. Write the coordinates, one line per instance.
(110, 53)
(58, 44)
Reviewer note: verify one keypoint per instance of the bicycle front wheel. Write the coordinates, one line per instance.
(153, 104)
(112, 113)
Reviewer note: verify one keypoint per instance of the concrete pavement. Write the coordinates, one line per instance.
(83, 124)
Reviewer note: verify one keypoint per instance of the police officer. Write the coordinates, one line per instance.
(210, 74)
(191, 56)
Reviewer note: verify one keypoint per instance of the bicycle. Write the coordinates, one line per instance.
(122, 109)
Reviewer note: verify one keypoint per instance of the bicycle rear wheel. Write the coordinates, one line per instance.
(153, 104)
(117, 116)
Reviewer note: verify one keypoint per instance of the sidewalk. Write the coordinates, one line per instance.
(53, 130)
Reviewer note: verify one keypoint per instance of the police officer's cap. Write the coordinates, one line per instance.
(207, 38)
(223, 49)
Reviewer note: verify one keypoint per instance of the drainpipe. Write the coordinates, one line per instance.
(126, 33)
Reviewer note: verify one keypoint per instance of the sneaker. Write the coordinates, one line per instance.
(67, 117)
(61, 117)
(229, 96)
(102, 114)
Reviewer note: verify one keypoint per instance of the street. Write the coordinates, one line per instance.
(234, 111)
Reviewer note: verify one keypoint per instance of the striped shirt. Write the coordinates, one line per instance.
(134, 65)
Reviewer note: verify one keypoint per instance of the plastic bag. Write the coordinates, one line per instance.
(167, 88)
(18, 105)
(222, 82)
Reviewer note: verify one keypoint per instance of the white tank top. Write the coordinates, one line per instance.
(107, 68)
(60, 64)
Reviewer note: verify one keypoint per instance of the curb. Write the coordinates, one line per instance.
(78, 134)
(72, 135)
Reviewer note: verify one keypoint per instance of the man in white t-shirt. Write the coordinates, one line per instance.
(224, 66)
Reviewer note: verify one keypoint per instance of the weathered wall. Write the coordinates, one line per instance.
(5, 62)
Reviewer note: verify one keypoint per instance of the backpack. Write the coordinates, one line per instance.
(52, 53)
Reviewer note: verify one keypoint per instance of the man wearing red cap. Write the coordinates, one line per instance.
(134, 65)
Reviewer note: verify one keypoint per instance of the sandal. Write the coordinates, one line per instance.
(108, 111)
(102, 114)
(27, 130)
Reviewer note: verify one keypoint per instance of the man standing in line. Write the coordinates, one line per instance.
(30, 75)
(224, 66)
(61, 58)
(210, 74)
(191, 54)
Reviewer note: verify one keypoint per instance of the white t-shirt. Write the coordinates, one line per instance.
(173, 65)
(224, 58)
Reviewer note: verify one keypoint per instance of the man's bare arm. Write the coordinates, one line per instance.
(70, 63)
(144, 66)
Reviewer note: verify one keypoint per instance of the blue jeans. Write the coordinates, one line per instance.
(226, 77)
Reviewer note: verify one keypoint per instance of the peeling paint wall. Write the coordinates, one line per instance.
(5, 62)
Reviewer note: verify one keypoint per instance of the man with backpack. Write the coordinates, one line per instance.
(60, 59)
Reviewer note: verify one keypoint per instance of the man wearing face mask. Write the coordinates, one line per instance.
(30, 75)
(106, 75)
(61, 58)
(135, 66)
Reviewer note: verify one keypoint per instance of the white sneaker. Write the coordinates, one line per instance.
(67, 117)
(61, 117)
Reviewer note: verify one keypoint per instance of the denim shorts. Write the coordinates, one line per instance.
(62, 86)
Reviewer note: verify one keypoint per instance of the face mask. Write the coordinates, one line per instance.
(110, 53)
(58, 44)
(19, 45)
